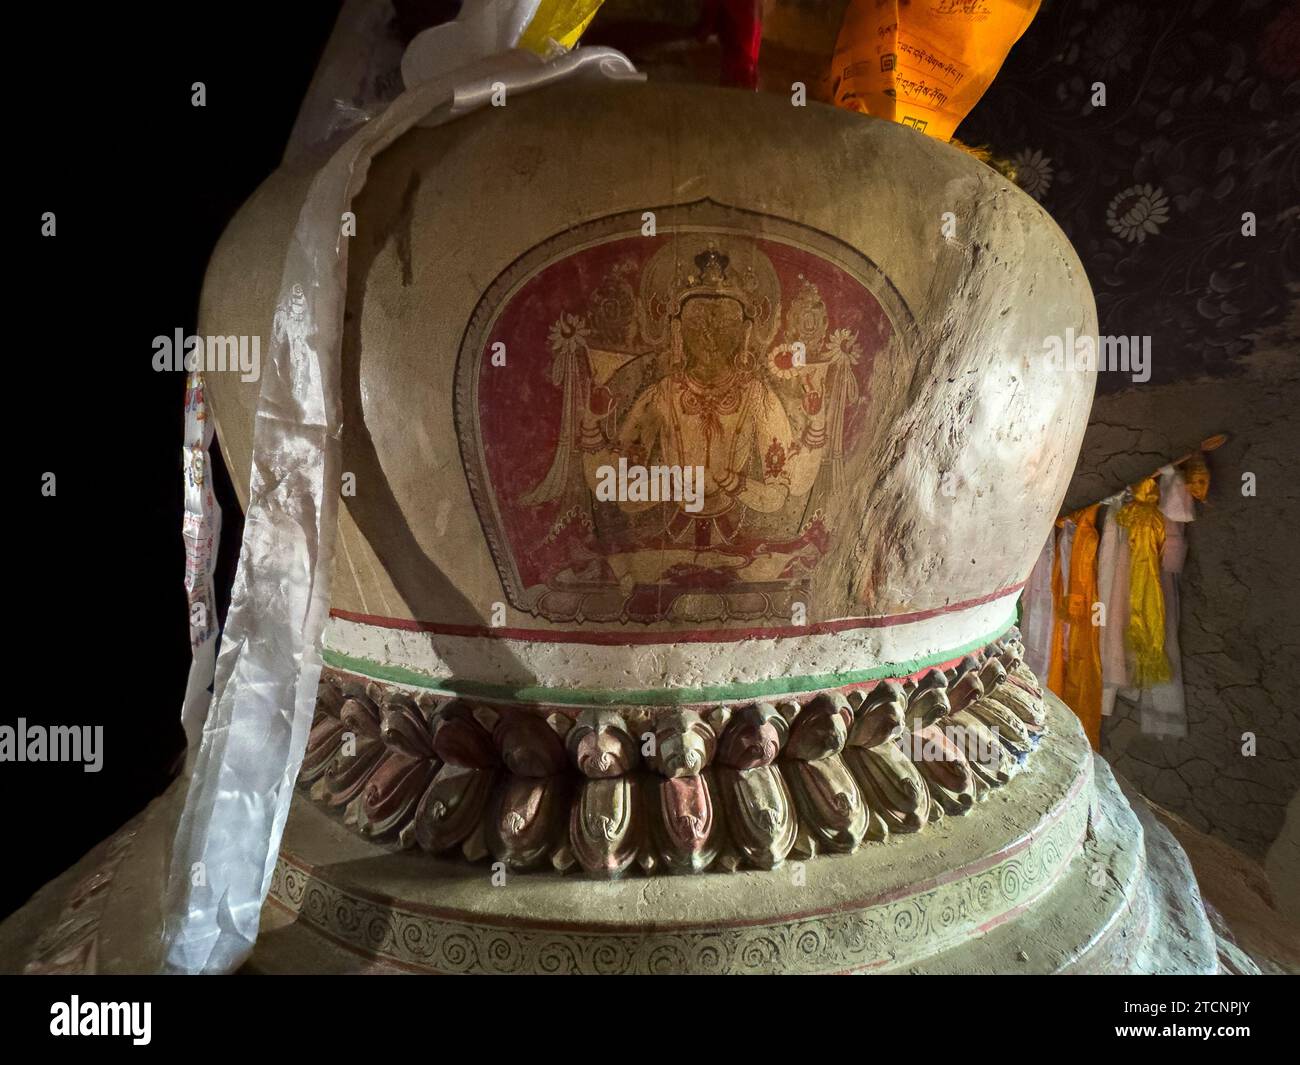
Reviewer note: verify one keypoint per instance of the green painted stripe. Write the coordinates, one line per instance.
(721, 693)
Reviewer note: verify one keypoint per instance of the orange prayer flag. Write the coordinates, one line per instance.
(924, 64)
(1082, 687)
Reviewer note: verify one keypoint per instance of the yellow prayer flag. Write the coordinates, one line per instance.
(559, 22)
(1145, 637)
(1081, 690)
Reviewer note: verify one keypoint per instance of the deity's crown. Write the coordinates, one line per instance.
(712, 265)
(710, 278)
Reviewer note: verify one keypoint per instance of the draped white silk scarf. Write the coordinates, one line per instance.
(1036, 611)
(269, 666)
(1112, 587)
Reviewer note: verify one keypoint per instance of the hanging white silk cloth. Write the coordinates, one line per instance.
(1163, 707)
(200, 530)
(1061, 640)
(1036, 608)
(1112, 588)
(1176, 501)
(269, 664)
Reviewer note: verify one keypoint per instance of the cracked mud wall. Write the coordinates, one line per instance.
(1240, 623)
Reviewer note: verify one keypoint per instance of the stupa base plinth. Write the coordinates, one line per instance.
(1051, 873)
(1055, 872)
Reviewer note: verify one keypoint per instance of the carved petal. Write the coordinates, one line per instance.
(1025, 679)
(965, 690)
(753, 737)
(1026, 706)
(944, 768)
(759, 814)
(603, 829)
(460, 740)
(347, 773)
(997, 715)
(452, 807)
(988, 759)
(878, 723)
(684, 744)
(821, 729)
(601, 746)
(891, 785)
(329, 696)
(886, 691)
(992, 674)
(1011, 652)
(405, 729)
(393, 791)
(528, 819)
(830, 806)
(361, 716)
(681, 822)
(529, 746)
(322, 745)
(928, 703)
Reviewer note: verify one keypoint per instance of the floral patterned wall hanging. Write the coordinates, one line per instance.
(1201, 124)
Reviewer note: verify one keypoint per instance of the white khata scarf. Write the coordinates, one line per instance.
(1036, 609)
(253, 736)
(1112, 588)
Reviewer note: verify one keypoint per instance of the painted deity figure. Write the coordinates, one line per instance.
(713, 410)
(689, 378)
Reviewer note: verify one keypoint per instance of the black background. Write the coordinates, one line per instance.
(142, 184)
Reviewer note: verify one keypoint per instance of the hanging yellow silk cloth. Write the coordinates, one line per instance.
(923, 65)
(558, 22)
(1082, 688)
(1145, 637)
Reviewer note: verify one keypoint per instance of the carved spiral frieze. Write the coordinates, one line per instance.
(888, 931)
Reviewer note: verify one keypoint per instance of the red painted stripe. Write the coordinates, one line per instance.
(612, 638)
